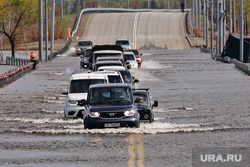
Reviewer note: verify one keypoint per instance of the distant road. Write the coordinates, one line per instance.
(144, 29)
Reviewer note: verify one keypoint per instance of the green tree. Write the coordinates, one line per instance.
(15, 16)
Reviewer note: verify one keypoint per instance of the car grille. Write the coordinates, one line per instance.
(111, 114)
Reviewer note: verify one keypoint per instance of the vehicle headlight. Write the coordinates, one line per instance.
(78, 49)
(138, 59)
(94, 114)
(73, 102)
(129, 112)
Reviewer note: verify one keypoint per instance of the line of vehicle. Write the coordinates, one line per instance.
(135, 29)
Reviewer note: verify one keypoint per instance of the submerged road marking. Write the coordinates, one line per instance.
(136, 140)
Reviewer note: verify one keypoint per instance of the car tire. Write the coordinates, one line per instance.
(151, 118)
(86, 126)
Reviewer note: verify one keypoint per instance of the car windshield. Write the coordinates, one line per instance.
(107, 55)
(84, 43)
(129, 57)
(126, 77)
(111, 96)
(140, 98)
(97, 66)
(82, 86)
(135, 52)
(122, 42)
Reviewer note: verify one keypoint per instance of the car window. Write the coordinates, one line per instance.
(82, 86)
(111, 96)
(126, 77)
(135, 52)
(97, 66)
(114, 79)
(142, 96)
(122, 43)
(84, 43)
(129, 57)
(107, 55)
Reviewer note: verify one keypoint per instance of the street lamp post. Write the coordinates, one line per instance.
(204, 19)
(46, 30)
(241, 31)
(52, 29)
(40, 29)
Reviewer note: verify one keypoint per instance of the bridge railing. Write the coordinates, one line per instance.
(16, 61)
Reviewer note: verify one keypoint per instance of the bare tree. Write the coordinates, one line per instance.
(15, 16)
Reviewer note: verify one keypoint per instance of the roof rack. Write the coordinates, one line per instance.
(141, 89)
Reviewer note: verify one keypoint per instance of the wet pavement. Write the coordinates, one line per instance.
(202, 103)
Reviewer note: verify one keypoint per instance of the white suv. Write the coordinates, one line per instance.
(78, 90)
(131, 59)
(124, 43)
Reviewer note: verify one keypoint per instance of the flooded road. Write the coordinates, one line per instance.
(202, 103)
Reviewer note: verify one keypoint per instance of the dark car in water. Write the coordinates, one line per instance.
(110, 106)
(84, 63)
(81, 45)
(144, 105)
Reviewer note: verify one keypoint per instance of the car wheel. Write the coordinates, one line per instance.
(151, 118)
(86, 126)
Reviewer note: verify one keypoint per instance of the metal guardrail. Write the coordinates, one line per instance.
(16, 61)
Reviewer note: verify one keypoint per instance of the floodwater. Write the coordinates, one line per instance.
(202, 103)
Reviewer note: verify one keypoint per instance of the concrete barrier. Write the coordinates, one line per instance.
(12, 75)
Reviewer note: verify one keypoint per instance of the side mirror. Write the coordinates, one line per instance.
(82, 102)
(140, 54)
(135, 81)
(155, 104)
(64, 91)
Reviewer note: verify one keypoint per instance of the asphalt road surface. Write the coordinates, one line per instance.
(163, 30)
(202, 103)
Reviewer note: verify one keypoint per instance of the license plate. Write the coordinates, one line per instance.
(111, 125)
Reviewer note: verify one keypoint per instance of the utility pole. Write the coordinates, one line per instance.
(46, 30)
(224, 23)
(212, 28)
(196, 14)
(192, 15)
(52, 29)
(199, 20)
(207, 12)
(62, 9)
(221, 15)
(230, 16)
(217, 27)
(234, 18)
(204, 19)
(241, 31)
(40, 29)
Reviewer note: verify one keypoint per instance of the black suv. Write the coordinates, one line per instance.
(144, 105)
(81, 45)
(110, 106)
